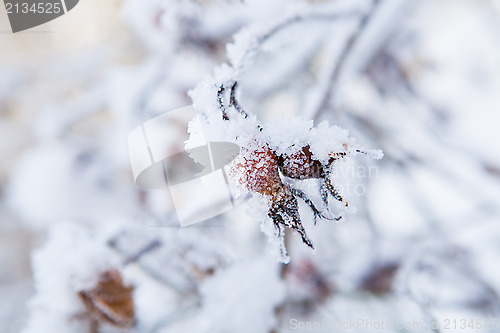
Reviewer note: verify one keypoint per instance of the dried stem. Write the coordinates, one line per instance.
(344, 57)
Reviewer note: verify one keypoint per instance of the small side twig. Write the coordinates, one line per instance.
(146, 249)
(220, 100)
(234, 102)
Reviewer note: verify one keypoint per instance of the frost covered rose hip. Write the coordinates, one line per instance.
(258, 169)
(301, 165)
(110, 301)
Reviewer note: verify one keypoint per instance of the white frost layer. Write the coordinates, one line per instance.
(234, 298)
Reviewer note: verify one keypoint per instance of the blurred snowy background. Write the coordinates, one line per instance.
(418, 79)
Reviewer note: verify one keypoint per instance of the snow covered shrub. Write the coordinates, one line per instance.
(274, 151)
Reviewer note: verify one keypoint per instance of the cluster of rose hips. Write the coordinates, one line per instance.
(260, 169)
